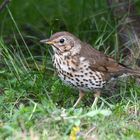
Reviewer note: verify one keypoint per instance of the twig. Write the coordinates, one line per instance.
(3, 5)
(90, 130)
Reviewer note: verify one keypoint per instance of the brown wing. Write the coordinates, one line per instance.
(101, 62)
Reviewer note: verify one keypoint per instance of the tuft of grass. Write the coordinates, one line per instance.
(34, 103)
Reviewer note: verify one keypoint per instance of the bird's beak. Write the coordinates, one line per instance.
(46, 41)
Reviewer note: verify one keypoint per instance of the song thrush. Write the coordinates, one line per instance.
(80, 65)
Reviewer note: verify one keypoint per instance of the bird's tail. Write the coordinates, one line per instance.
(133, 72)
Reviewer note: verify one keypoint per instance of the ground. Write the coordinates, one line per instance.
(34, 103)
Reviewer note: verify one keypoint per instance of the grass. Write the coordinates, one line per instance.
(34, 103)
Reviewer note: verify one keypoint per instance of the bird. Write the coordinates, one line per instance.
(83, 67)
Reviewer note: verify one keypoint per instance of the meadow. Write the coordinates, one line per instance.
(34, 103)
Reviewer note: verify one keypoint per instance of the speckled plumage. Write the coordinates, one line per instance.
(78, 75)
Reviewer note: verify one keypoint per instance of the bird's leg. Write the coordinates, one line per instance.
(96, 96)
(81, 95)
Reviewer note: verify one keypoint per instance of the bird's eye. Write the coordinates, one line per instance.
(62, 40)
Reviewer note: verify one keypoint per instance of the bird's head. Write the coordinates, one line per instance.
(63, 42)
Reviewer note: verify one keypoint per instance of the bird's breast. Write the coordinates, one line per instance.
(78, 73)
